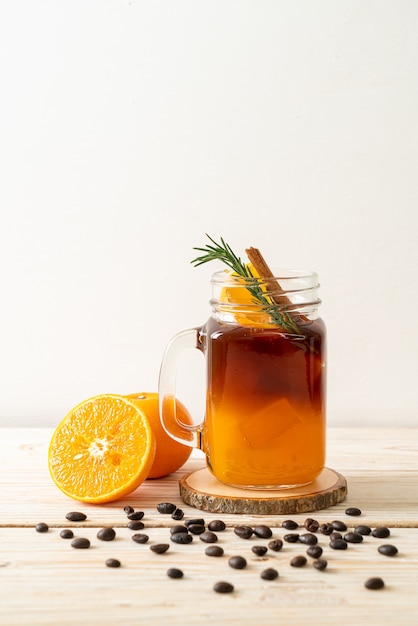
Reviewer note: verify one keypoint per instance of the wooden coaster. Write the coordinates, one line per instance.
(201, 490)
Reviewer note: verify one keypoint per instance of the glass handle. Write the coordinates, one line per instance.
(172, 424)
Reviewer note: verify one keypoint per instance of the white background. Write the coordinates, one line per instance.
(129, 129)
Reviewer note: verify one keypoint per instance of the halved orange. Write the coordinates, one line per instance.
(102, 450)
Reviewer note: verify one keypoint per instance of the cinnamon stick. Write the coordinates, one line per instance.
(263, 270)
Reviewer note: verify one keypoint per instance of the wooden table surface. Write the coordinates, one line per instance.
(44, 581)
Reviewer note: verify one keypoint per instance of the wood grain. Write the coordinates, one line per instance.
(45, 582)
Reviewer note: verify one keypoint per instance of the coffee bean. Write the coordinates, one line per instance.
(291, 537)
(80, 543)
(298, 561)
(66, 533)
(276, 545)
(363, 529)
(178, 528)
(353, 537)
(159, 548)
(308, 538)
(262, 531)
(177, 514)
(182, 538)
(326, 528)
(338, 544)
(136, 525)
(259, 550)
(245, 532)
(381, 532)
(237, 562)
(196, 529)
(374, 583)
(352, 510)
(140, 538)
(128, 509)
(269, 574)
(223, 587)
(173, 572)
(314, 551)
(166, 507)
(311, 524)
(112, 563)
(290, 524)
(217, 525)
(106, 534)
(76, 516)
(41, 527)
(191, 522)
(320, 564)
(208, 537)
(339, 525)
(136, 515)
(214, 551)
(388, 550)
(335, 536)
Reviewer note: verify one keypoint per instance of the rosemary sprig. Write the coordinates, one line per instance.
(223, 252)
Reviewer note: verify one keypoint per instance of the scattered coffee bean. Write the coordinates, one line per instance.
(76, 516)
(334, 536)
(41, 527)
(353, 537)
(178, 528)
(136, 525)
(191, 522)
(276, 545)
(196, 529)
(214, 551)
(223, 587)
(112, 563)
(237, 562)
(326, 528)
(182, 538)
(177, 514)
(166, 508)
(106, 534)
(128, 509)
(352, 510)
(338, 544)
(208, 537)
(66, 533)
(308, 538)
(80, 543)
(363, 529)
(159, 548)
(339, 525)
(311, 525)
(388, 550)
(259, 550)
(245, 532)
(298, 561)
(136, 515)
(291, 538)
(140, 538)
(217, 525)
(314, 551)
(374, 583)
(290, 524)
(173, 572)
(269, 574)
(262, 531)
(381, 532)
(320, 564)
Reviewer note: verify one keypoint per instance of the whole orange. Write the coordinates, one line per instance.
(170, 455)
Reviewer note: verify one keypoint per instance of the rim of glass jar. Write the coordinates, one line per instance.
(289, 280)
